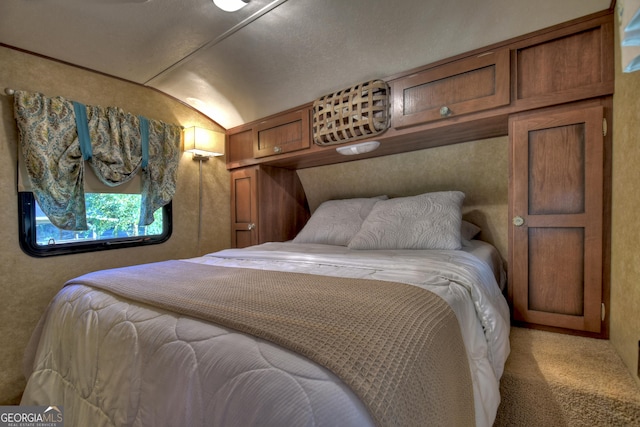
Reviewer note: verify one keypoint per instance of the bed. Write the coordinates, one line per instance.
(144, 345)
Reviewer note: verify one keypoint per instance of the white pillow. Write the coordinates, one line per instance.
(469, 230)
(427, 221)
(335, 222)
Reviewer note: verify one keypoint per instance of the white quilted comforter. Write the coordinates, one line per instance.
(112, 362)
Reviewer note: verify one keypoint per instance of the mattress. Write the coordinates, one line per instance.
(111, 361)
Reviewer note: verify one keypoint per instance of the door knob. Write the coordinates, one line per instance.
(251, 226)
(518, 221)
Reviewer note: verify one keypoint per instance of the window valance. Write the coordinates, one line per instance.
(57, 137)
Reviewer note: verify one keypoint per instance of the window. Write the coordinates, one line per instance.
(112, 220)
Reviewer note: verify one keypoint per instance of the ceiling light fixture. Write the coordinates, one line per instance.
(361, 148)
(231, 5)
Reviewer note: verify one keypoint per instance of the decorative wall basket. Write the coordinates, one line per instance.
(361, 111)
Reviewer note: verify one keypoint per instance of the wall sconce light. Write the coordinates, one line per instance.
(629, 20)
(230, 5)
(203, 143)
(361, 148)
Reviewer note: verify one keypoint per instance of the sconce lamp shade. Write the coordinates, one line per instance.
(230, 5)
(203, 143)
(629, 20)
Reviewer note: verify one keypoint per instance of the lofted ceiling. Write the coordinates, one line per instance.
(271, 55)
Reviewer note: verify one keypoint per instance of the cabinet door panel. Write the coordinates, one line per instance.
(474, 84)
(466, 86)
(240, 146)
(575, 65)
(243, 239)
(244, 207)
(576, 61)
(556, 170)
(557, 189)
(282, 134)
(243, 199)
(548, 249)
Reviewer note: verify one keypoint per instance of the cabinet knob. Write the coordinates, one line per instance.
(277, 149)
(445, 111)
(518, 221)
(251, 226)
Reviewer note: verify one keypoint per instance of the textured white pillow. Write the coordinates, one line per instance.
(469, 230)
(427, 221)
(335, 222)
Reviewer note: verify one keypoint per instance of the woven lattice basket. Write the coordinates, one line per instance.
(358, 112)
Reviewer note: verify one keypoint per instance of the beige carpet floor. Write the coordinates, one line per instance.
(560, 380)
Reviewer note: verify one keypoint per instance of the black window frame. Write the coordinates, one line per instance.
(29, 245)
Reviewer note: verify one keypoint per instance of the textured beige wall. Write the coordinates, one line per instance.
(26, 283)
(625, 251)
(478, 168)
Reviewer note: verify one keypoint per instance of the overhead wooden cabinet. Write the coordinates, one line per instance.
(239, 146)
(569, 64)
(282, 134)
(465, 86)
(268, 204)
(557, 206)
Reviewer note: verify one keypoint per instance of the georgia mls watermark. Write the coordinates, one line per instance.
(31, 416)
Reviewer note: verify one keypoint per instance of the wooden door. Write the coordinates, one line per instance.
(556, 203)
(244, 207)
